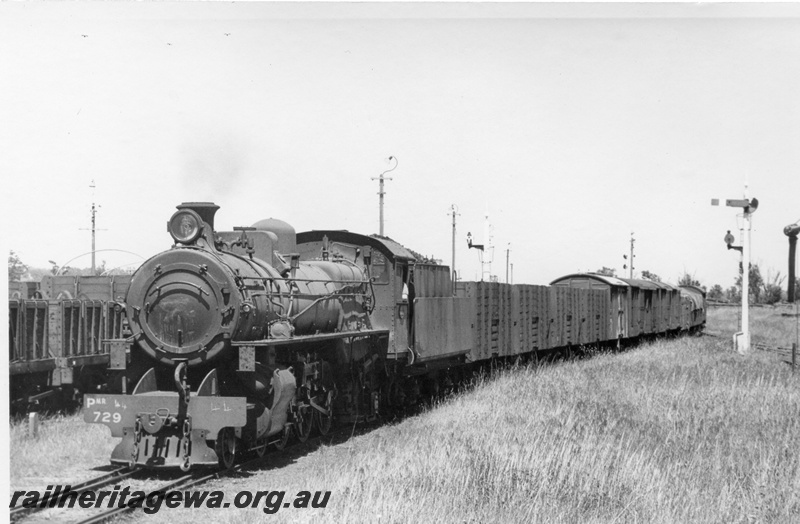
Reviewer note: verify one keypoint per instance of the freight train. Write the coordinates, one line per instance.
(243, 339)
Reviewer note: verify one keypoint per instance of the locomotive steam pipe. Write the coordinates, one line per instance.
(792, 231)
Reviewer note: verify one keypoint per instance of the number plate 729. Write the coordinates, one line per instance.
(106, 417)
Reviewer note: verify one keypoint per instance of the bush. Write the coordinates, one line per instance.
(772, 294)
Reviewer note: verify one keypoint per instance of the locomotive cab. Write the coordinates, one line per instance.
(389, 267)
(413, 299)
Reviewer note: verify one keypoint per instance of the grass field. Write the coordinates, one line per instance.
(773, 326)
(679, 430)
(66, 448)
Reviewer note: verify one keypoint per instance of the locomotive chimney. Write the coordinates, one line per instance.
(791, 231)
(206, 210)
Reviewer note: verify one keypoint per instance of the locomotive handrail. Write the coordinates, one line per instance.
(198, 286)
(292, 287)
(302, 295)
(310, 280)
(371, 299)
(316, 337)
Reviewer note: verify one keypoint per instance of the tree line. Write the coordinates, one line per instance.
(18, 270)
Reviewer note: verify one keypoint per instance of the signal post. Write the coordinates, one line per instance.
(741, 340)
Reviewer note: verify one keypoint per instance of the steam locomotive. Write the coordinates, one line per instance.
(241, 339)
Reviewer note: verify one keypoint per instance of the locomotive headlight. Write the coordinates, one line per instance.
(185, 226)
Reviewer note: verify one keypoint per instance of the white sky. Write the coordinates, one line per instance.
(572, 124)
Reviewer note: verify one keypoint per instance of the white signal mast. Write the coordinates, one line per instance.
(486, 260)
(741, 340)
(624, 266)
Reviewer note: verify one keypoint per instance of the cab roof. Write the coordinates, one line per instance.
(387, 246)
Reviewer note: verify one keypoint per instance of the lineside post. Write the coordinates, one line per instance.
(33, 425)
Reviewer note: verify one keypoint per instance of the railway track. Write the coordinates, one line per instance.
(196, 478)
(193, 479)
(184, 482)
(89, 485)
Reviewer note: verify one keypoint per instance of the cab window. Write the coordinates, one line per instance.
(379, 271)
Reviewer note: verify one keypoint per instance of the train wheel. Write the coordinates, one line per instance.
(324, 422)
(304, 422)
(261, 448)
(225, 447)
(280, 445)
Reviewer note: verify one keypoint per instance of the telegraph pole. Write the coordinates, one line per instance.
(93, 229)
(508, 254)
(94, 213)
(454, 212)
(381, 192)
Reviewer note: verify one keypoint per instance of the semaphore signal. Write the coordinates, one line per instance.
(741, 340)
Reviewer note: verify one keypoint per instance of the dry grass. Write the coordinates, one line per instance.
(674, 431)
(768, 325)
(65, 450)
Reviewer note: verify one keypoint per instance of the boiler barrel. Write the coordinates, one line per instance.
(323, 289)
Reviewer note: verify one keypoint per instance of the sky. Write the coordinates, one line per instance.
(570, 125)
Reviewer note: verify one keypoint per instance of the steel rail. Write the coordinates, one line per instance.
(198, 477)
(186, 481)
(89, 485)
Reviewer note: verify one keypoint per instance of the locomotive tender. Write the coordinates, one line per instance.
(241, 339)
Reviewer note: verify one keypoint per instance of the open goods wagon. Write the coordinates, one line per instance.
(56, 343)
